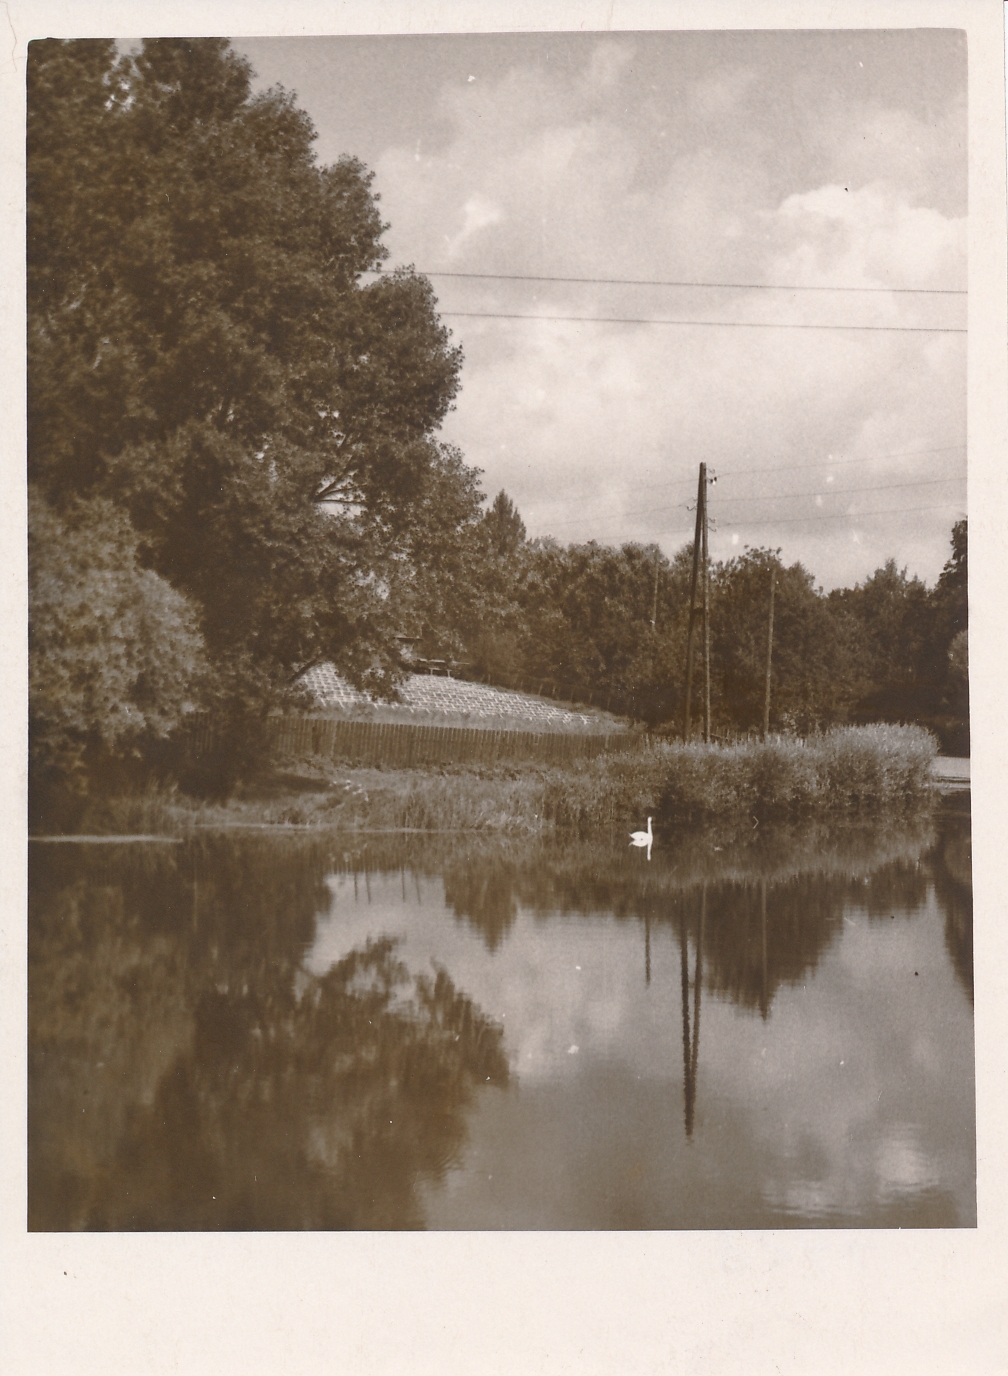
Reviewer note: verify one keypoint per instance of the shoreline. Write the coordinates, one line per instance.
(842, 775)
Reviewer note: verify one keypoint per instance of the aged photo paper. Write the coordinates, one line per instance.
(625, 1294)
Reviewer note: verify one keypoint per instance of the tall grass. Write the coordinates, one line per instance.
(848, 769)
(851, 771)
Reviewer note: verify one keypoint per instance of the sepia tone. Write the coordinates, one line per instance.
(387, 578)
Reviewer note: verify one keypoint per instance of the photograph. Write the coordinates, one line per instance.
(492, 666)
(499, 692)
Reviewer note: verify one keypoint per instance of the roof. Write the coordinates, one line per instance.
(479, 704)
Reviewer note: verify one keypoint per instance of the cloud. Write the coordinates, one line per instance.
(477, 213)
(870, 236)
(596, 429)
(608, 63)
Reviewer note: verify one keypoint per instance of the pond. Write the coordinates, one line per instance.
(272, 1030)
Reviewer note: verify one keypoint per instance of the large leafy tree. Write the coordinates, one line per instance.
(811, 660)
(207, 358)
(102, 685)
(949, 600)
(606, 618)
(893, 617)
(909, 653)
(950, 647)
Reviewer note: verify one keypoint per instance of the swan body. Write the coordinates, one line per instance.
(643, 838)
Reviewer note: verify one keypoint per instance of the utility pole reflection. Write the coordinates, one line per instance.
(647, 948)
(764, 1001)
(691, 1044)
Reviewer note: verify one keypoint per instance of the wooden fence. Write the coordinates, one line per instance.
(410, 743)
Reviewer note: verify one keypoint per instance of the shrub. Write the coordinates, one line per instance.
(848, 768)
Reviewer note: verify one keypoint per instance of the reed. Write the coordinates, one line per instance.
(852, 771)
(848, 769)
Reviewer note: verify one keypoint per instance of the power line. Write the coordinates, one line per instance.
(786, 496)
(661, 282)
(800, 520)
(840, 491)
(837, 463)
(842, 515)
(707, 324)
(825, 463)
(811, 492)
(818, 463)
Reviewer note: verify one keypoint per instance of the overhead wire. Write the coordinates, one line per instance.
(802, 520)
(719, 502)
(741, 324)
(848, 516)
(690, 483)
(810, 492)
(686, 284)
(837, 463)
(702, 324)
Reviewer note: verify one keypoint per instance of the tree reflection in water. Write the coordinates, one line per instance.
(749, 962)
(317, 1112)
(227, 1088)
(953, 879)
(484, 894)
(186, 1071)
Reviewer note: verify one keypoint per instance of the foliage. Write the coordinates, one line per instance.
(610, 626)
(841, 770)
(608, 619)
(505, 526)
(116, 659)
(811, 647)
(206, 357)
(237, 423)
(438, 583)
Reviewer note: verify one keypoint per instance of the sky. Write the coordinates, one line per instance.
(760, 165)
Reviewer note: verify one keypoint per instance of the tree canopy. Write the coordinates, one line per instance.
(612, 623)
(208, 361)
(234, 465)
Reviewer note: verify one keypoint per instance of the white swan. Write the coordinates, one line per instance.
(643, 838)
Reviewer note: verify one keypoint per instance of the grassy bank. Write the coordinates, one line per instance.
(847, 772)
(849, 769)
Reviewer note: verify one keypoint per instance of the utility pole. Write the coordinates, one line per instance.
(769, 654)
(764, 1002)
(703, 610)
(706, 616)
(653, 695)
(697, 537)
(654, 604)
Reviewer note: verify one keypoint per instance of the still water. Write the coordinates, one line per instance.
(272, 1031)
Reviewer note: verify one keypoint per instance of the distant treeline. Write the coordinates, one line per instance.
(234, 469)
(613, 622)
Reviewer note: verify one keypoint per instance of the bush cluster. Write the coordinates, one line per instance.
(852, 768)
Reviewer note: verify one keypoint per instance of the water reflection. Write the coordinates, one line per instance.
(186, 1072)
(338, 1032)
(953, 879)
(691, 1040)
(485, 893)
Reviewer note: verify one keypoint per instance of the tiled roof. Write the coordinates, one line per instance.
(432, 696)
(331, 690)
